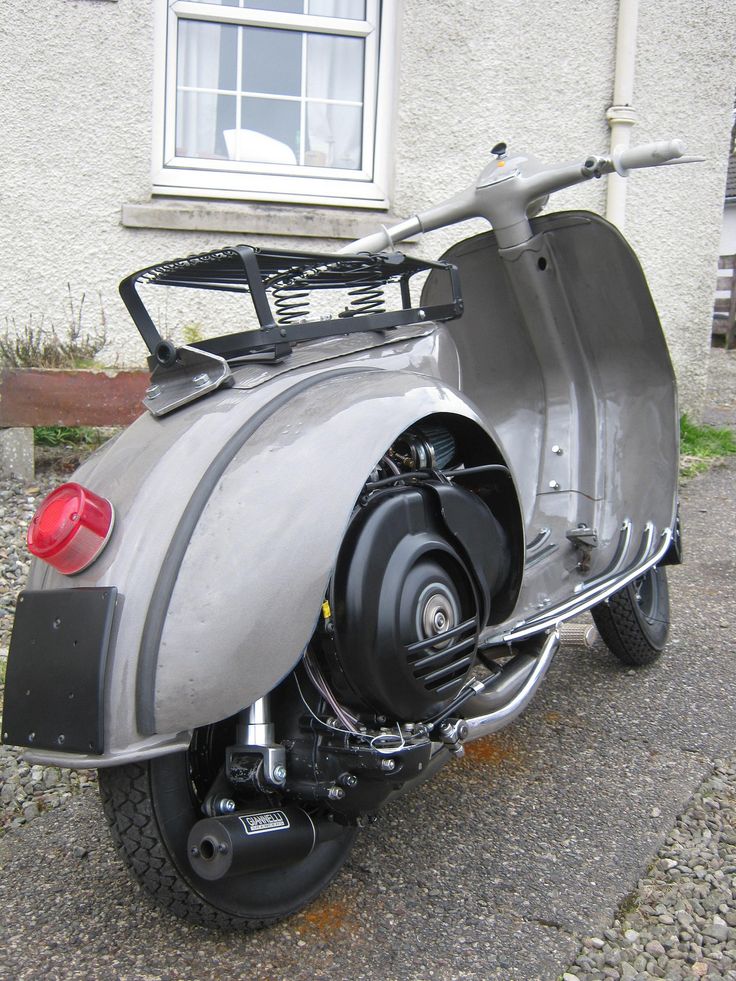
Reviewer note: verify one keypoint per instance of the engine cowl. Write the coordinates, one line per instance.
(411, 591)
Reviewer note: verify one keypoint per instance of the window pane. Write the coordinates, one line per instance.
(334, 136)
(353, 9)
(207, 55)
(335, 67)
(201, 119)
(278, 120)
(272, 61)
(285, 6)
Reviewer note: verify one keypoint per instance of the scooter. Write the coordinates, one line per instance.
(342, 540)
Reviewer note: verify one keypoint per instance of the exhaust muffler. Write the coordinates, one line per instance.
(250, 841)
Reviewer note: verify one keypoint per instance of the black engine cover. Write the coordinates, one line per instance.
(412, 589)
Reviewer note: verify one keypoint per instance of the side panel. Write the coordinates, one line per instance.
(561, 348)
(251, 585)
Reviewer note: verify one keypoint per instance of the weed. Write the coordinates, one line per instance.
(702, 446)
(192, 333)
(629, 904)
(39, 346)
(66, 436)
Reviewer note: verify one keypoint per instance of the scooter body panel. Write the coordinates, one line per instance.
(223, 556)
(230, 511)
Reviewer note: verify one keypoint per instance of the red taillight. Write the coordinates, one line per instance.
(70, 528)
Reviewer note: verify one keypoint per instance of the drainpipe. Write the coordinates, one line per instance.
(622, 115)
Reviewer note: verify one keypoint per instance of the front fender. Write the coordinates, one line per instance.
(230, 523)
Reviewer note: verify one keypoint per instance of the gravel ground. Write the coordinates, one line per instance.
(27, 791)
(680, 922)
(570, 806)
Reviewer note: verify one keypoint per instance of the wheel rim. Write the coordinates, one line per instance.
(645, 593)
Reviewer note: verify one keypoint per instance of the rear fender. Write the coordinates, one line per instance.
(225, 540)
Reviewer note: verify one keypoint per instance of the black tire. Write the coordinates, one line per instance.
(151, 807)
(634, 623)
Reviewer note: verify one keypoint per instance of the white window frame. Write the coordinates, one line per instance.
(366, 188)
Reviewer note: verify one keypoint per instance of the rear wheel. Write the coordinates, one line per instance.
(634, 622)
(152, 806)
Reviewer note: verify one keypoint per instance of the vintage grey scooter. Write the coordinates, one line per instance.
(341, 543)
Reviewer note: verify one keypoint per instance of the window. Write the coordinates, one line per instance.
(275, 100)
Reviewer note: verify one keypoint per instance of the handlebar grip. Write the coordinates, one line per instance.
(646, 155)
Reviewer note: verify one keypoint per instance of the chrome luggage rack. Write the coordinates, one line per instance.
(288, 279)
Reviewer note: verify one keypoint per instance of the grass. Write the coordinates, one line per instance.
(702, 446)
(66, 436)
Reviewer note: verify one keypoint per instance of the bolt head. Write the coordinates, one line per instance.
(388, 765)
(279, 773)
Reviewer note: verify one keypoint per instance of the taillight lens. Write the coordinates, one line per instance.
(70, 528)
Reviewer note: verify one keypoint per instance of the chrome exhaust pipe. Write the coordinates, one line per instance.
(495, 718)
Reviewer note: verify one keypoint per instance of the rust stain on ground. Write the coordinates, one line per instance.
(323, 917)
(491, 749)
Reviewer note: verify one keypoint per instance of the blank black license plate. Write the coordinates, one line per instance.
(54, 685)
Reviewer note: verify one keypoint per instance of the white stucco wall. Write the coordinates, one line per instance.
(76, 109)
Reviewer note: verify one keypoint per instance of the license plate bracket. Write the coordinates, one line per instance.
(54, 685)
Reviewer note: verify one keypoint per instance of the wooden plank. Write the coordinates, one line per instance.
(46, 397)
(727, 262)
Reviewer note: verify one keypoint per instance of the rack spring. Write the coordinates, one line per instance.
(291, 302)
(370, 296)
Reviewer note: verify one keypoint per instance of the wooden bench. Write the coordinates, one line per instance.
(47, 397)
(724, 309)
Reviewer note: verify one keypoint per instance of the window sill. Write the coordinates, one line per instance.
(255, 219)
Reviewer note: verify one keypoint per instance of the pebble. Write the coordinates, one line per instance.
(683, 923)
(25, 791)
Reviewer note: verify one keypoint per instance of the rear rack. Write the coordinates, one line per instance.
(288, 279)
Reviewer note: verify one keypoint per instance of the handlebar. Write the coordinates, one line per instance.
(513, 187)
(646, 155)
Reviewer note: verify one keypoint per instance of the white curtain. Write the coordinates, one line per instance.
(198, 65)
(335, 71)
